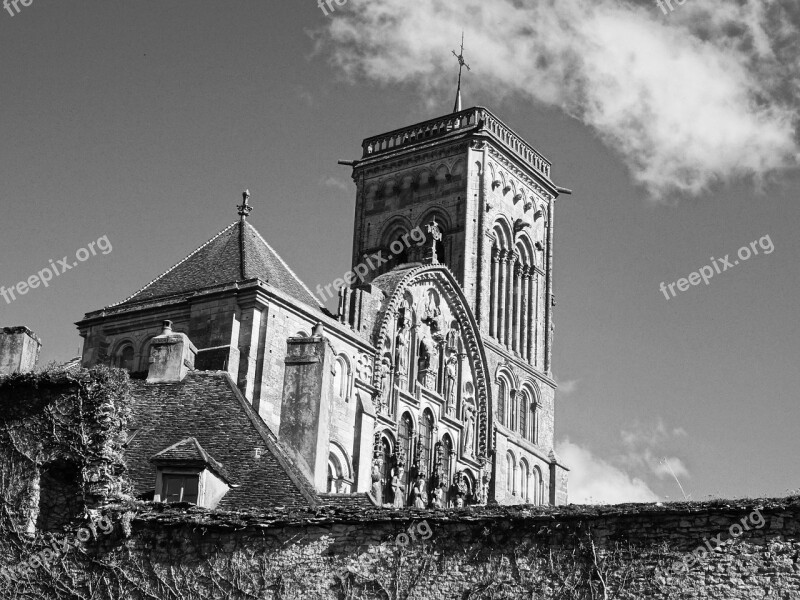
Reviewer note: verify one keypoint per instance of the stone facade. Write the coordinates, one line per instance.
(439, 366)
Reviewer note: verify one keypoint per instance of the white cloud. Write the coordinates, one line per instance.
(567, 387)
(705, 94)
(645, 445)
(593, 480)
(337, 184)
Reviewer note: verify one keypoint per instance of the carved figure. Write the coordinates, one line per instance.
(431, 312)
(401, 349)
(451, 375)
(452, 338)
(419, 493)
(397, 487)
(377, 487)
(438, 498)
(469, 425)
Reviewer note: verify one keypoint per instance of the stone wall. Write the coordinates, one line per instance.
(493, 552)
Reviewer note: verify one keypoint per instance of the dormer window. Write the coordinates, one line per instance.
(187, 473)
(176, 487)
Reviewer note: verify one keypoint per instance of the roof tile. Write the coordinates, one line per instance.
(237, 253)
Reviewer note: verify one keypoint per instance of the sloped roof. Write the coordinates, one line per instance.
(237, 253)
(208, 407)
(189, 451)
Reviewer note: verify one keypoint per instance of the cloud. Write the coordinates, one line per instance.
(338, 184)
(645, 447)
(565, 388)
(706, 94)
(593, 480)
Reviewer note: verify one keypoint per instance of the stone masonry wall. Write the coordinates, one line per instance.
(492, 552)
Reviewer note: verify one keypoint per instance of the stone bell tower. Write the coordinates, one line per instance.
(491, 195)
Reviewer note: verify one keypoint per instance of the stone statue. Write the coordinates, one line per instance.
(401, 349)
(397, 487)
(452, 338)
(469, 426)
(431, 312)
(438, 497)
(436, 236)
(425, 352)
(451, 376)
(384, 385)
(419, 493)
(377, 486)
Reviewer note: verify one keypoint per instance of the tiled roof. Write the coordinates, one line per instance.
(356, 501)
(189, 451)
(237, 253)
(208, 407)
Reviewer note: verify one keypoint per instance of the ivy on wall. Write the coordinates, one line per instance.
(61, 441)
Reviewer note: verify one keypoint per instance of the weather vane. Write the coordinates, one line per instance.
(461, 64)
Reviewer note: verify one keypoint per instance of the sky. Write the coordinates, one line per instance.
(140, 124)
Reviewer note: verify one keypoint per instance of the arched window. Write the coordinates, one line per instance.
(425, 443)
(534, 425)
(440, 253)
(509, 473)
(502, 278)
(501, 402)
(341, 378)
(523, 414)
(405, 438)
(334, 474)
(447, 450)
(538, 487)
(338, 379)
(512, 413)
(124, 358)
(398, 249)
(524, 476)
(386, 468)
(395, 239)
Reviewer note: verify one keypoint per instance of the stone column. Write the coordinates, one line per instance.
(493, 297)
(510, 313)
(525, 324)
(501, 300)
(517, 318)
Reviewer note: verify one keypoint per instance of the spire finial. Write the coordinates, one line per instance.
(461, 64)
(244, 208)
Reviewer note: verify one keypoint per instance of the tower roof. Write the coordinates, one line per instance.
(237, 253)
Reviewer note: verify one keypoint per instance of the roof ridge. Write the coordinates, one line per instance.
(283, 262)
(181, 443)
(173, 267)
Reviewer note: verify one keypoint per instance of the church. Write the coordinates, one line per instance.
(431, 385)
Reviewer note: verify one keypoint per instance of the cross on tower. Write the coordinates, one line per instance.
(244, 207)
(461, 64)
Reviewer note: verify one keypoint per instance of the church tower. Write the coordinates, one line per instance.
(491, 195)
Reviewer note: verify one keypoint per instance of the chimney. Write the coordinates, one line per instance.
(19, 350)
(171, 356)
(305, 424)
